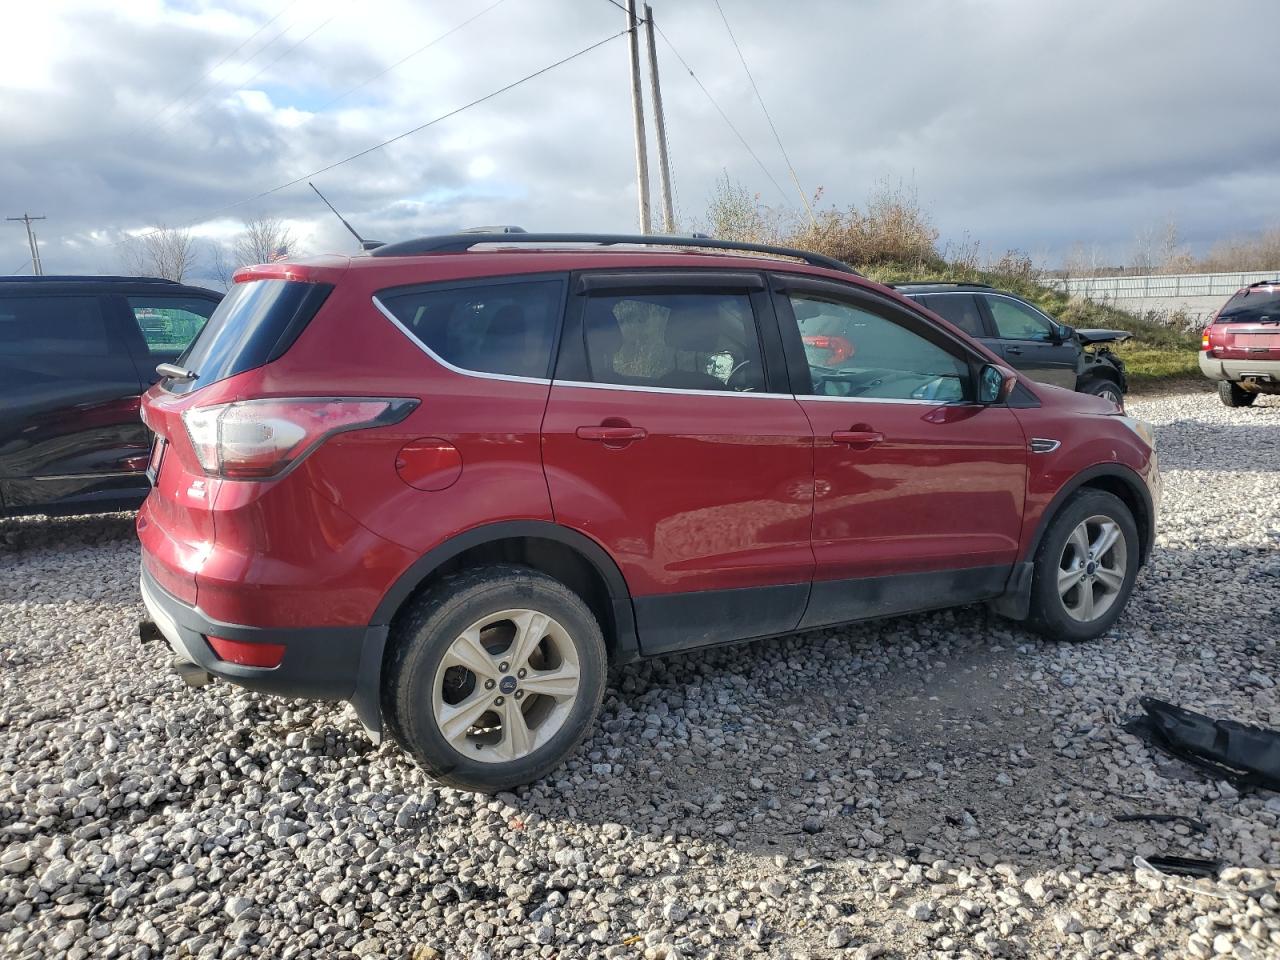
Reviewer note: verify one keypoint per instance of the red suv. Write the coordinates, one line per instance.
(1240, 349)
(449, 484)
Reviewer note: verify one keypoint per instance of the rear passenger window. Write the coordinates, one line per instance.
(960, 308)
(169, 324)
(53, 327)
(496, 328)
(682, 341)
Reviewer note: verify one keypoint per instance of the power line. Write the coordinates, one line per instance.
(194, 83)
(803, 198)
(400, 136)
(421, 49)
(723, 116)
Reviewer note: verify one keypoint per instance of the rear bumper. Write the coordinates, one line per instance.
(1265, 372)
(320, 663)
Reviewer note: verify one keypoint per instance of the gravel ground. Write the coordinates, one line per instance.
(941, 785)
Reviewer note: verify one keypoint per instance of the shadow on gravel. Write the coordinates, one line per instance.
(33, 532)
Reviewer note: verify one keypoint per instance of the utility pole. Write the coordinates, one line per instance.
(659, 128)
(36, 267)
(637, 112)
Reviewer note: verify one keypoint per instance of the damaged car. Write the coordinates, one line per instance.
(1029, 339)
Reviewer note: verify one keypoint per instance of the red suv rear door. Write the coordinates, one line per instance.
(919, 492)
(668, 440)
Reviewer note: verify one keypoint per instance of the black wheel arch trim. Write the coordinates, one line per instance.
(626, 645)
(1129, 477)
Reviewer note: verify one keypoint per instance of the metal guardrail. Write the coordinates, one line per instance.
(1155, 286)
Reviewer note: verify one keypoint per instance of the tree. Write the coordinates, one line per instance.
(263, 238)
(166, 252)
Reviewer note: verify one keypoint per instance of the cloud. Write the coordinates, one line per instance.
(1029, 125)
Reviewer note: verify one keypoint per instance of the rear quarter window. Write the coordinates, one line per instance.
(499, 328)
(53, 327)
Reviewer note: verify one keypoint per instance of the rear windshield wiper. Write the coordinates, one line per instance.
(175, 372)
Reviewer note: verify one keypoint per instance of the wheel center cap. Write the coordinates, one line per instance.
(507, 684)
(1091, 567)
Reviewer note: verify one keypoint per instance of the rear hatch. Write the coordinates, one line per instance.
(255, 324)
(1248, 327)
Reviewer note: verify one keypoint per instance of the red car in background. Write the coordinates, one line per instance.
(1240, 349)
(450, 480)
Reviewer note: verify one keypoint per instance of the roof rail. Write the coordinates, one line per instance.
(56, 278)
(940, 283)
(461, 242)
(1264, 283)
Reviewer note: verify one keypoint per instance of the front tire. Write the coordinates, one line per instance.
(1085, 568)
(495, 676)
(1106, 389)
(1234, 396)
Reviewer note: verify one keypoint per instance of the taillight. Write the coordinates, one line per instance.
(1204, 339)
(257, 439)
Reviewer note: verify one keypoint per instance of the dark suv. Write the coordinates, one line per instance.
(1029, 339)
(75, 355)
(449, 481)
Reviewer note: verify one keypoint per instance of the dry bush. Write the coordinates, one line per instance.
(1256, 252)
(892, 229)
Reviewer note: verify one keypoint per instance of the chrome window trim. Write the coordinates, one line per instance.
(926, 403)
(637, 388)
(480, 374)
(88, 476)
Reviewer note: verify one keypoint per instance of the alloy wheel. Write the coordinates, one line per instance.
(506, 685)
(1091, 569)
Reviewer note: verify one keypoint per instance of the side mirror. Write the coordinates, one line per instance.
(995, 384)
(1062, 333)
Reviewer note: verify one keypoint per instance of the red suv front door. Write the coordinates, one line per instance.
(918, 491)
(663, 442)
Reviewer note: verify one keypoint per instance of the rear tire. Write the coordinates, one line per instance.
(1085, 568)
(1107, 389)
(496, 675)
(1234, 396)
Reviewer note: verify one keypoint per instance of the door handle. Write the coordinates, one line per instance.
(860, 439)
(1016, 351)
(611, 435)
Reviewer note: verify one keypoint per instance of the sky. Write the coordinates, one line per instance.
(1034, 125)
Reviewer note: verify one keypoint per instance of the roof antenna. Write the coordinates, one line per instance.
(364, 244)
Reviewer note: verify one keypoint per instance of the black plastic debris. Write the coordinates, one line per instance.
(1185, 866)
(1242, 755)
(1199, 826)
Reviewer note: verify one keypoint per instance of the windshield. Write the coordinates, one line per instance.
(1256, 304)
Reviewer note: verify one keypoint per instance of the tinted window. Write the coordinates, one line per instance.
(1017, 321)
(53, 326)
(169, 324)
(960, 308)
(500, 328)
(855, 353)
(1255, 304)
(255, 323)
(682, 341)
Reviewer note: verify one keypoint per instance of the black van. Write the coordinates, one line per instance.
(75, 355)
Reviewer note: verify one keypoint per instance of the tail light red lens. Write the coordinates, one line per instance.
(247, 654)
(259, 439)
(1204, 339)
(838, 348)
